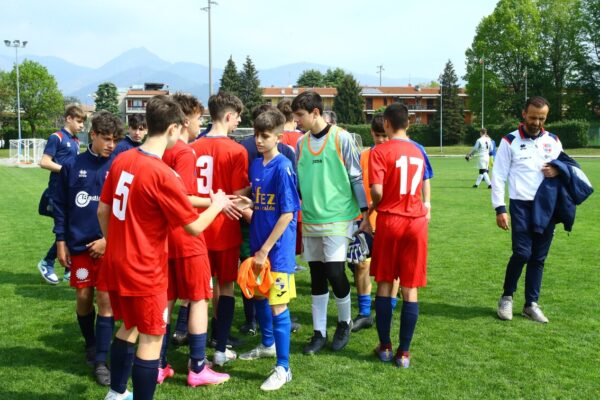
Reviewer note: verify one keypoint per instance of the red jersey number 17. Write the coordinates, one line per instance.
(402, 163)
(122, 195)
(204, 166)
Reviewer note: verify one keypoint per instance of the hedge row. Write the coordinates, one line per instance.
(572, 133)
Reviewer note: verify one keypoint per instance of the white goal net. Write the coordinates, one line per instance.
(26, 151)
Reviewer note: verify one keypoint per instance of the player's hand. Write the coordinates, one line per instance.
(64, 257)
(259, 260)
(242, 202)
(223, 201)
(502, 221)
(358, 250)
(428, 216)
(365, 226)
(96, 248)
(549, 171)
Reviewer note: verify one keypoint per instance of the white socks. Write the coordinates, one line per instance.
(319, 312)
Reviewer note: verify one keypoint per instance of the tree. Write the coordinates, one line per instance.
(230, 80)
(5, 91)
(41, 101)
(250, 92)
(107, 98)
(508, 44)
(333, 78)
(310, 78)
(71, 100)
(349, 104)
(453, 122)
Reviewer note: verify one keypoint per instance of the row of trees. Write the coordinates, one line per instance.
(553, 46)
(245, 84)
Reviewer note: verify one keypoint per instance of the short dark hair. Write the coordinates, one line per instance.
(189, 104)
(537, 102)
(332, 116)
(483, 131)
(161, 112)
(221, 103)
(308, 101)
(75, 111)
(285, 106)
(377, 123)
(261, 109)
(397, 115)
(269, 121)
(107, 124)
(136, 121)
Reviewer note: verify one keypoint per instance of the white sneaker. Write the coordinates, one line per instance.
(505, 308)
(223, 357)
(112, 395)
(534, 313)
(278, 378)
(260, 351)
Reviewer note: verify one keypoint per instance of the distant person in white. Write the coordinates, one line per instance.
(482, 149)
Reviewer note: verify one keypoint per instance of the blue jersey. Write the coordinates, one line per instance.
(274, 192)
(250, 146)
(76, 200)
(428, 172)
(493, 148)
(124, 145)
(63, 147)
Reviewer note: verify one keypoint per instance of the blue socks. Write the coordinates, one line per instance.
(165, 346)
(224, 319)
(364, 304)
(408, 322)
(383, 310)
(143, 377)
(182, 319)
(197, 351)
(281, 332)
(265, 321)
(104, 333)
(86, 324)
(121, 360)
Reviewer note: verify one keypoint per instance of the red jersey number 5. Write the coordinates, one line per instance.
(122, 195)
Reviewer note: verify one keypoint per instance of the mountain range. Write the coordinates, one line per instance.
(138, 65)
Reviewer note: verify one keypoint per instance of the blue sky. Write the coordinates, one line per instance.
(410, 38)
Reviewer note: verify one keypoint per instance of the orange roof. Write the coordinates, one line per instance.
(291, 92)
(146, 92)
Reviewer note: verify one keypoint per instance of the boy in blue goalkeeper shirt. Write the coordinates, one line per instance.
(273, 235)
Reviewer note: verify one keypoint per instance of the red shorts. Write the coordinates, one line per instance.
(400, 250)
(148, 313)
(189, 278)
(224, 264)
(85, 271)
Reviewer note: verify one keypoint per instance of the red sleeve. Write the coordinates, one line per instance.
(174, 202)
(376, 167)
(185, 165)
(107, 190)
(239, 172)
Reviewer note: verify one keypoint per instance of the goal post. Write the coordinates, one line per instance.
(26, 151)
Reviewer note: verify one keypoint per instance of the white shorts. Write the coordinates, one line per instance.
(325, 249)
(484, 162)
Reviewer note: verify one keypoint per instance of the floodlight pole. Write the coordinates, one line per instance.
(16, 44)
(207, 9)
(441, 114)
(482, 62)
(381, 69)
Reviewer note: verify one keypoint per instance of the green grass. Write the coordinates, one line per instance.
(460, 350)
(462, 150)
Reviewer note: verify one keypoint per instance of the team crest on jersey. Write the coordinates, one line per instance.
(68, 144)
(548, 148)
(82, 274)
(82, 173)
(279, 283)
(82, 199)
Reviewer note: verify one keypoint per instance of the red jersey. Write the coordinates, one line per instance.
(221, 163)
(182, 159)
(290, 138)
(398, 165)
(146, 199)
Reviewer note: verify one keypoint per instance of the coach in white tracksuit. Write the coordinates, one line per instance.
(522, 159)
(482, 147)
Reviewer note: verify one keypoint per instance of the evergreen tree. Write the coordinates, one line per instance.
(333, 78)
(310, 78)
(349, 104)
(250, 92)
(453, 122)
(230, 80)
(107, 98)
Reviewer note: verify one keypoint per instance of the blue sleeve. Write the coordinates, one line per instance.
(52, 145)
(288, 153)
(428, 173)
(59, 201)
(287, 193)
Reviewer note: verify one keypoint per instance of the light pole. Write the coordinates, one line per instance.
(16, 44)
(207, 9)
(482, 62)
(441, 113)
(381, 69)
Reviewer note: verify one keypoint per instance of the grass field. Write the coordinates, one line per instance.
(460, 350)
